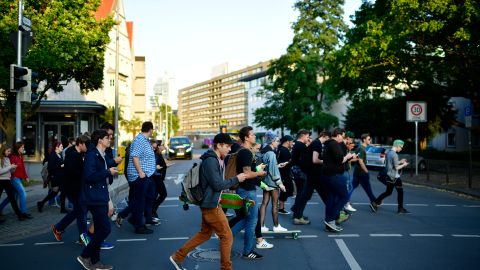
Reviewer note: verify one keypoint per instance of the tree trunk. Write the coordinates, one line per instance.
(8, 128)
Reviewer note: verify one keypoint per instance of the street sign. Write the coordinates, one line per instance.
(416, 111)
(26, 24)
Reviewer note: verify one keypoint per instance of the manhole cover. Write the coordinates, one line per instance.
(209, 255)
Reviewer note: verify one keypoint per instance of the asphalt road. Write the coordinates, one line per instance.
(443, 232)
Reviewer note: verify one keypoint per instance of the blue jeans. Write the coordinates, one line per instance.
(20, 194)
(363, 179)
(78, 213)
(102, 230)
(336, 196)
(249, 222)
(142, 199)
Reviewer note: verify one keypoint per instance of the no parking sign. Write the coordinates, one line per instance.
(416, 111)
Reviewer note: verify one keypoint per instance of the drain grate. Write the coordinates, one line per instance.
(209, 255)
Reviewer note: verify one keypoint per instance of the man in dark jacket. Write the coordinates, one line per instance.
(94, 195)
(213, 217)
(72, 186)
(335, 177)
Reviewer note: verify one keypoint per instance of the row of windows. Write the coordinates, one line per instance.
(234, 100)
(235, 92)
(199, 107)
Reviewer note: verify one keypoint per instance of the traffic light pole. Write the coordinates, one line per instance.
(18, 111)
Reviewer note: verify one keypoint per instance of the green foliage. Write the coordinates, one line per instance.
(300, 92)
(69, 44)
(413, 50)
(109, 115)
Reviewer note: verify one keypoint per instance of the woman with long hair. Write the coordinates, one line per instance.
(6, 169)
(16, 158)
(55, 173)
(159, 176)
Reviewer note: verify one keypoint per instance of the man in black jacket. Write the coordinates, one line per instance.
(213, 217)
(94, 195)
(73, 165)
(335, 177)
(300, 169)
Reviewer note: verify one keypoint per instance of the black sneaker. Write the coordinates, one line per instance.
(403, 211)
(100, 266)
(85, 262)
(283, 212)
(252, 256)
(152, 222)
(143, 230)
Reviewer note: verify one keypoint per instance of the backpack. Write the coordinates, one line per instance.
(192, 189)
(44, 174)
(231, 168)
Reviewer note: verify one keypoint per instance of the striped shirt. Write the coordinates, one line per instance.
(142, 149)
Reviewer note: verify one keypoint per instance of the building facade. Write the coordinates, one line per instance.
(222, 100)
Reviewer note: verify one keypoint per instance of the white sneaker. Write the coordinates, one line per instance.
(349, 207)
(279, 228)
(265, 229)
(264, 245)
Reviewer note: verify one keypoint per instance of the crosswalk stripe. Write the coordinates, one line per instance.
(425, 235)
(48, 243)
(385, 235)
(11, 245)
(172, 238)
(132, 240)
(466, 235)
(344, 235)
(445, 205)
(347, 255)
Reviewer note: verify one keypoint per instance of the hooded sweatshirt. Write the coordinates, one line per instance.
(211, 179)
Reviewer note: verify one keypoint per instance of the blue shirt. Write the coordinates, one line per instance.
(142, 149)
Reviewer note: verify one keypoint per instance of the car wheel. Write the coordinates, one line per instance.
(422, 165)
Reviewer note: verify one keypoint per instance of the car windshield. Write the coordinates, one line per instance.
(374, 149)
(179, 141)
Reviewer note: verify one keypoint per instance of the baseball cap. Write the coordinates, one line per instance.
(222, 138)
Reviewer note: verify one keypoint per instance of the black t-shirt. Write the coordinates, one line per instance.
(246, 158)
(284, 155)
(316, 146)
(333, 158)
(300, 156)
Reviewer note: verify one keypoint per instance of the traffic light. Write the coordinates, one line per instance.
(18, 77)
(33, 85)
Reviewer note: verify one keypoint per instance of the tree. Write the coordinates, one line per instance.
(300, 78)
(132, 126)
(69, 44)
(173, 126)
(413, 50)
(109, 115)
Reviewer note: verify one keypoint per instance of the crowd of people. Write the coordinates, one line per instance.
(280, 168)
(328, 165)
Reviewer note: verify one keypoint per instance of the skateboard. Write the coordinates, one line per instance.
(234, 201)
(294, 233)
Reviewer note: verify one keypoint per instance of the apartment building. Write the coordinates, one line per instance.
(222, 100)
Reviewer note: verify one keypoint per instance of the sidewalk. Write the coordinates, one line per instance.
(14, 230)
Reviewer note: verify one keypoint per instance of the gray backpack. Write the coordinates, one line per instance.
(192, 189)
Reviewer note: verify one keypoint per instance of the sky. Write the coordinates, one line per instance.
(187, 38)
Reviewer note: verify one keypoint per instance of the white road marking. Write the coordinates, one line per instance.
(308, 236)
(425, 235)
(466, 235)
(179, 179)
(173, 238)
(347, 255)
(11, 245)
(48, 243)
(344, 235)
(416, 204)
(311, 203)
(169, 205)
(132, 240)
(472, 206)
(445, 205)
(385, 235)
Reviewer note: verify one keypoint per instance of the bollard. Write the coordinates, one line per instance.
(428, 171)
(447, 169)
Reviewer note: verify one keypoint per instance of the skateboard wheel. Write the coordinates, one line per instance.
(295, 235)
(186, 207)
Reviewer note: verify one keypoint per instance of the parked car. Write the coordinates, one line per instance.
(180, 147)
(376, 155)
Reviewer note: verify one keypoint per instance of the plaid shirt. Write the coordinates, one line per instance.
(142, 149)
